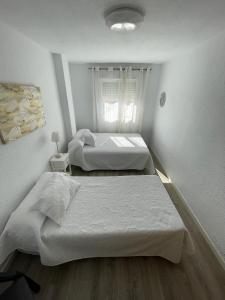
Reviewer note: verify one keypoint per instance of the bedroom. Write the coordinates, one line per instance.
(178, 48)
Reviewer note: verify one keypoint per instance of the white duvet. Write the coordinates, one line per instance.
(109, 217)
(112, 151)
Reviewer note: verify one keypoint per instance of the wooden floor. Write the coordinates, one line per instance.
(198, 277)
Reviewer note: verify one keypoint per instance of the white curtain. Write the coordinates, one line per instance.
(118, 97)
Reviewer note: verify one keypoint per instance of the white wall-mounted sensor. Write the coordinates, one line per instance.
(162, 100)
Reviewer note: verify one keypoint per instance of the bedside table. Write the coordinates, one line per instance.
(60, 164)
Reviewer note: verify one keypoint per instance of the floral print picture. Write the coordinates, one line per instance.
(21, 110)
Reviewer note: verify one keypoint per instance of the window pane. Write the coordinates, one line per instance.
(111, 90)
(129, 114)
(111, 112)
(131, 90)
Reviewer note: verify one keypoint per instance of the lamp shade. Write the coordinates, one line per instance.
(55, 136)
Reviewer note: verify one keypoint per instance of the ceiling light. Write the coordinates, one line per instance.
(123, 27)
(123, 19)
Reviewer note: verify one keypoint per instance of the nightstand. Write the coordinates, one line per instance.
(60, 164)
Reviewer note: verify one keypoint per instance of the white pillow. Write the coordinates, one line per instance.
(56, 197)
(87, 137)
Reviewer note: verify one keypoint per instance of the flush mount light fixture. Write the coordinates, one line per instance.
(123, 19)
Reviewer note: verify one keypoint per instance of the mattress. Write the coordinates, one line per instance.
(109, 217)
(113, 151)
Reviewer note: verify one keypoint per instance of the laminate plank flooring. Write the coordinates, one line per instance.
(197, 277)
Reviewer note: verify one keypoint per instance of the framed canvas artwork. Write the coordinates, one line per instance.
(21, 110)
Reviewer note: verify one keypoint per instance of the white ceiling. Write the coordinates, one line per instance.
(77, 29)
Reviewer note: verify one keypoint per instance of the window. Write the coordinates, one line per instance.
(119, 99)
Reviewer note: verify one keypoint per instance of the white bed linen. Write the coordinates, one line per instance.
(110, 217)
(112, 151)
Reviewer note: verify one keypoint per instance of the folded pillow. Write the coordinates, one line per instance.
(56, 197)
(86, 136)
(89, 139)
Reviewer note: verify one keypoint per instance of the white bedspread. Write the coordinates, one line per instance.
(113, 151)
(110, 217)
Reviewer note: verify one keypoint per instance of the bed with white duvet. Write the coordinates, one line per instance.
(108, 217)
(110, 151)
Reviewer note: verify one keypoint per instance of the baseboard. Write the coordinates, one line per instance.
(4, 267)
(220, 259)
(158, 163)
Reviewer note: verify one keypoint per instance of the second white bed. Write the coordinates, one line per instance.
(112, 151)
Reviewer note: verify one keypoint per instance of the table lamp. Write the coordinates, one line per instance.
(55, 139)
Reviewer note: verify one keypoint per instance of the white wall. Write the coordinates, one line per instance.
(188, 133)
(150, 99)
(22, 161)
(65, 93)
(81, 83)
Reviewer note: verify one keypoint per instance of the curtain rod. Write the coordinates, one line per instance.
(123, 69)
